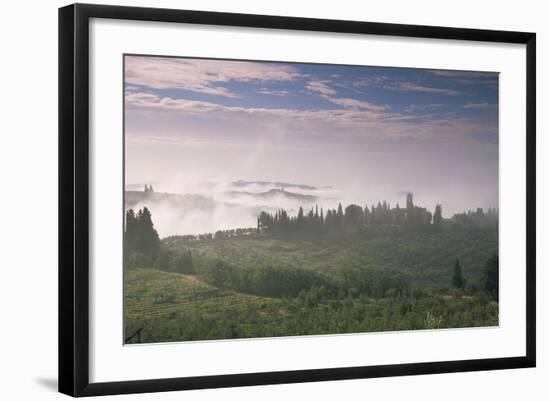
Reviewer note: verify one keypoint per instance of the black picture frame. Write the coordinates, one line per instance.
(74, 201)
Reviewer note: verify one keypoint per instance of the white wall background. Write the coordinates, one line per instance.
(28, 201)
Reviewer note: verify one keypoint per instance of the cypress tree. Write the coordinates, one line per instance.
(130, 231)
(438, 218)
(148, 241)
(490, 276)
(340, 215)
(140, 237)
(301, 214)
(366, 215)
(458, 280)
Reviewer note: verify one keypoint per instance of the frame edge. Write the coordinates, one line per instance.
(531, 200)
(66, 306)
(73, 302)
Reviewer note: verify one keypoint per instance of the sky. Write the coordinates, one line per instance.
(372, 132)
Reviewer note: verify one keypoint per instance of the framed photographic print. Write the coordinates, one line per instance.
(250, 199)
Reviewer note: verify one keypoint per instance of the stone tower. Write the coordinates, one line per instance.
(410, 204)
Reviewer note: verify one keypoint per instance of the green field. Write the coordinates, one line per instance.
(376, 279)
(426, 256)
(173, 306)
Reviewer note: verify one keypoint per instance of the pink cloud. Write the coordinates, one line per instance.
(202, 76)
(320, 87)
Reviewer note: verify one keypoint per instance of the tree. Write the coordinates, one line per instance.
(366, 215)
(340, 215)
(140, 237)
(300, 214)
(458, 280)
(130, 229)
(373, 217)
(489, 277)
(184, 263)
(438, 218)
(353, 215)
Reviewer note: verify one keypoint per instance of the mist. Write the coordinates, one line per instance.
(197, 128)
(458, 179)
(206, 207)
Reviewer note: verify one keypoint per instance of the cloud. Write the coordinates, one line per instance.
(355, 104)
(412, 87)
(321, 87)
(326, 92)
(185, 106)
(423, 107)
(201, 121)
(265, 91)
(480, 106)
(370, 81)
(201, 75)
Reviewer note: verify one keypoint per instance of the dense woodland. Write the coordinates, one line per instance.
(340, 270)
(141, 240)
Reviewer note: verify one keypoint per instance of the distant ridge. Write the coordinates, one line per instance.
(274, 192)
(242, 183)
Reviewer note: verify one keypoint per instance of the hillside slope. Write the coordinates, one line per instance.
(426, 256)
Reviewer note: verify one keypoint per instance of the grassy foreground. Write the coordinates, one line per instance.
(181, 307)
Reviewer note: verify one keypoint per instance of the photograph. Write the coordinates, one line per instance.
(271, 199)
